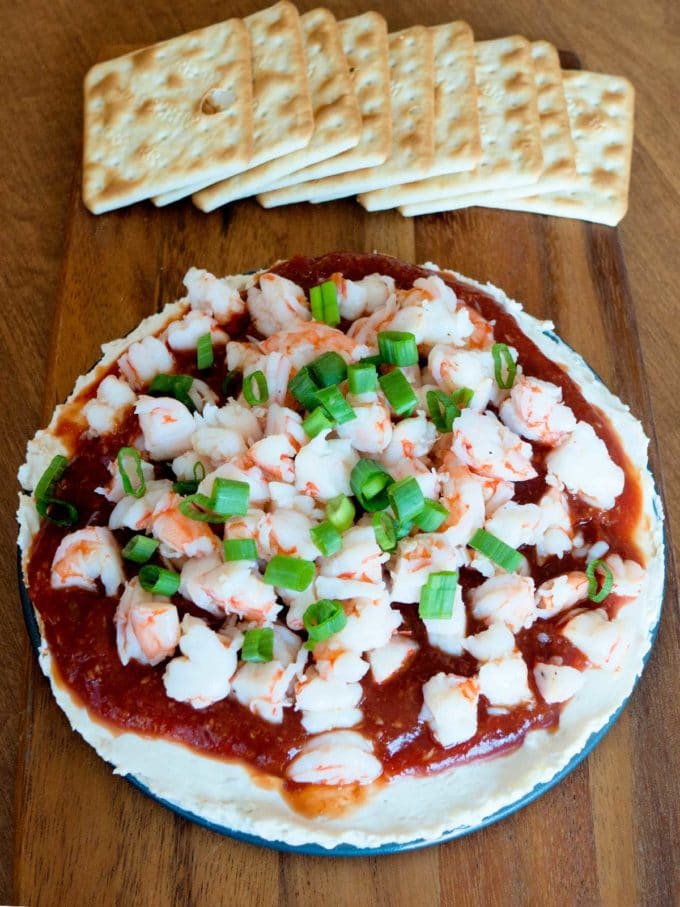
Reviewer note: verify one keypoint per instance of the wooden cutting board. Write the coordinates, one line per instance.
(85, 836)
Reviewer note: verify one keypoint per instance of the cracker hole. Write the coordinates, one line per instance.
(217, 100)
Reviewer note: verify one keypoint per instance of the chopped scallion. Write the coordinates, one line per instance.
(335, 405)
(316, 422)
(204, 352)
(504, 366)
(400, 395)
(384, 531)
(431, 516)
(177, 386)
(443, 411)
(496, 550)
(199, 507)
(326, 538)
(59, 512)
(362, 377)
(304, 389)
(127, 454)
(369, 481)
(340, 512)
(289, 572)
(398, 348)
(239, 549)
(330, 368)
(230, 497)
(594, 594)
(406, 498)
(324, 303)
(139, 549)
(255, 378)
(258, 645)
(230, 383)
(158, 580)
(322, 620)
(438, 596)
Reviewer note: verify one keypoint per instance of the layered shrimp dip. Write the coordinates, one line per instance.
(343, 550)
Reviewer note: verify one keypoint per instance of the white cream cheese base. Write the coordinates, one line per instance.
(408, 808)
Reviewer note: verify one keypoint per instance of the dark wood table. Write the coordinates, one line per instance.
(621, 848)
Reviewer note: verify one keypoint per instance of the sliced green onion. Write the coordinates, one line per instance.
(45, 502)
(340, 512)
(431, 516)
(462, 397)
(199, 507)
(369, 481)
(230, 383)
(607, 583)
(371, 360)
(258, 645)
(204, 352)
(128, 488)
(438, 595)
(289, 572)
(177, 386)
(363, 377)
(139, 549)
(398, 348)
(443, 411)
(322, 620)
(158, 580)
(316, 422)
(304, 389)
(384, 531)
(496, 550)
(199, 471)
(239, 549)
(335, 405)
(324, 303)
(400, 395)
(406, 498)
(326, 538)
(328, 369)
(262, 395)
(185, 486)
(503, 361)
(230, 497)
(402, 528)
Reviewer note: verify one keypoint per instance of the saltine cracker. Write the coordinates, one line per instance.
(169, 115)
(364, 40)
(282, 107)
(456, 117)
(601, 111)
(337, 120)
(509, 124)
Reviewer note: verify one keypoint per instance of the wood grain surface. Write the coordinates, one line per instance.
(70, 832)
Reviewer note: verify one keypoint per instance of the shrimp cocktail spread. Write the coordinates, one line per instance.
(343, 551)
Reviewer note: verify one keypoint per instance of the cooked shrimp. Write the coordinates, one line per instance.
(137, 513)
(335, 758)
(496, 492)
(284, 421)
(557, 683)
(370, 624)
(490, 644)
(225, 432)
(431, 312)
(483, 443)
(561, 592)
(274, 456)
(265, 688)
(365, 330)
(201, 395)
(282, 531)
(323, 467)
(167, 426)
(453, 368)
(202, 674)
(506, 597)
(287, 497)
(325, 701)
(413, 437)
(535, 410)
(371, 430)
(604, 642)
(427, 477)
(583, 464)
(104, 412)
(505, 681)
(86, 555)
(628, 576)
(556, 532)
(448, 633)
(516, 524)
(305, 342)
(241, 471)
(145, 359)
(232, 588)
(482, 337)
(335, 663)
(277, 304)
(147, 626)
(463, 497)
(450, 707)
(179, 535)
(184, 333)
(357, 297)
(218, 297)
(416, 558)
(114, 491)
(360, 557)
(389, 659)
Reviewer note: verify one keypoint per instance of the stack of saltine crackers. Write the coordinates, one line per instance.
(293, 108)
